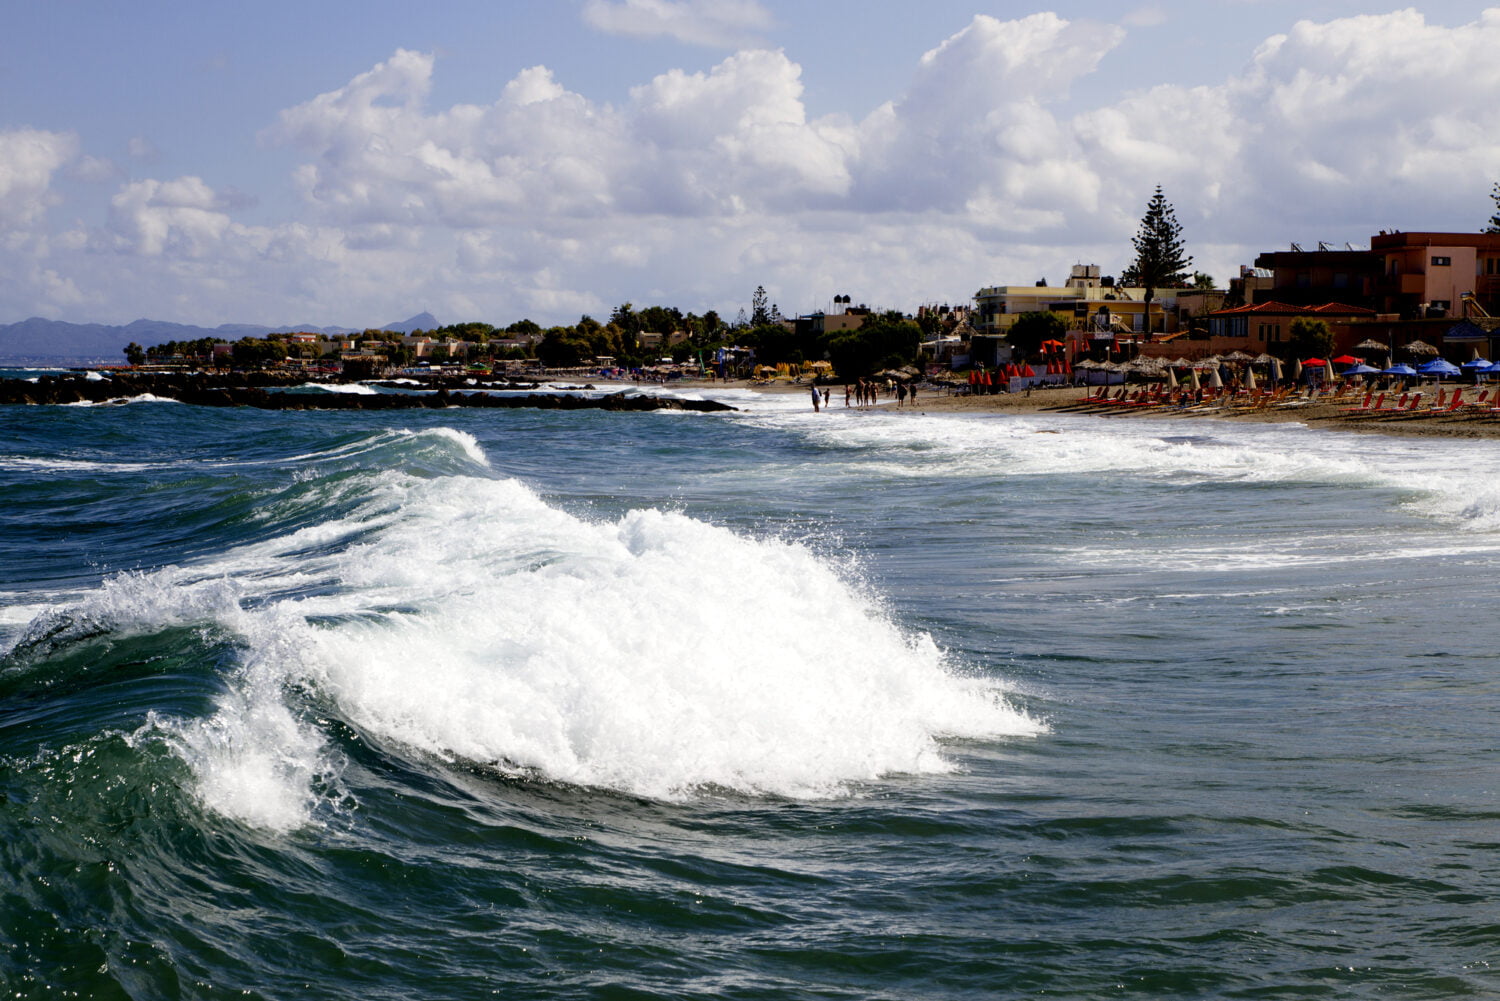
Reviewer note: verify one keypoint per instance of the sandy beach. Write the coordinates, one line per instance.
(1470, 422)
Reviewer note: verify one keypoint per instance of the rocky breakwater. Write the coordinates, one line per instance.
(268, 391)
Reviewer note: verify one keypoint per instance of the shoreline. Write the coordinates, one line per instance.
(250, 389)
(1330, 416)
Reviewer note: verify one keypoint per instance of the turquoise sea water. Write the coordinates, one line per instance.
(468, 703)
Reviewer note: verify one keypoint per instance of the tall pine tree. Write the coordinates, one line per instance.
(759, 313)
(1159, 258)
(1494, 226)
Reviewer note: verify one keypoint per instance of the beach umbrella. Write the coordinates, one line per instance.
(1196, 385)
(1477, 365)
(1171, 379)
(1213, 378)
(1439, 367)
(1250, 378)
(1402, 369)
(1346, 360)
(1296, 370)
(1420, 348)
(1275, 369)
(1361, 369)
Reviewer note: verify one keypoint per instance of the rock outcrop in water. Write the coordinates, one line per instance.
(268, 391)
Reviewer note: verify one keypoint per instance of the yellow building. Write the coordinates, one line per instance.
(1083, 304)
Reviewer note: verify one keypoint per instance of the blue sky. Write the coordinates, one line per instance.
(353, 164)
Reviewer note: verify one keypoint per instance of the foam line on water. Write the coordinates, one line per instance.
(1454, 481)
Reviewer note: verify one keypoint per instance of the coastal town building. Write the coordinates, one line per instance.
(1434, 275)
(653, 339)
(1253, 285)
(1308, 278)
(1266, 326)
(841, 317)
(1087, 302)
(1420, 275)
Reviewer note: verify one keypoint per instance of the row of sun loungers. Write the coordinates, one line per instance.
(1373, 405)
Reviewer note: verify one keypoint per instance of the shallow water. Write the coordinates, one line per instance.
(768, 704)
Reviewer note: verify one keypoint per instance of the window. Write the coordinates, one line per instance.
(1441, 262)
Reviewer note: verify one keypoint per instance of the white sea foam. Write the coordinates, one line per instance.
(119, 401)
(1454, 481)
(465, 618)
(655, 654)
(350, 388)
(85, 466)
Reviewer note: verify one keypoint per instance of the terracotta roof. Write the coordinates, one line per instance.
(1283, 309)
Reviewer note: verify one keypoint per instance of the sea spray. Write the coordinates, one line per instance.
(655, 654)
(459, 615)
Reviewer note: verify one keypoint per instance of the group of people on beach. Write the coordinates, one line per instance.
(866, 392)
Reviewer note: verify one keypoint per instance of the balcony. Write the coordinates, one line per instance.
(1410, 284)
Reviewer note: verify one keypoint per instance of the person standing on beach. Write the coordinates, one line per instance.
(817, 398)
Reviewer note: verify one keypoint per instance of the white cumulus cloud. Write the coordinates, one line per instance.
(694, 187)
(28, 159)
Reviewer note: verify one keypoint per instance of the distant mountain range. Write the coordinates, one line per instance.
(53, 342)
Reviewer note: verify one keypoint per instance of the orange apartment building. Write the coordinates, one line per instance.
(1412, 275)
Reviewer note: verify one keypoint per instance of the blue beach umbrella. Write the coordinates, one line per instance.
(1361, 369)
(1439, 367)
(1476, 366)
(1402, 369)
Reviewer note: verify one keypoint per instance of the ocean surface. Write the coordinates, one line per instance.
(768, 704)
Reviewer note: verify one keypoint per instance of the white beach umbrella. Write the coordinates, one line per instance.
(1250, 378)
(1196, 385)
(1275, 369)
(1213, 378)
(1171, 379)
